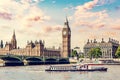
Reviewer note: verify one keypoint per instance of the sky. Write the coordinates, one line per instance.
(44, 20)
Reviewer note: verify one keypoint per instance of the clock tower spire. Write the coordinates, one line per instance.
(66, 40)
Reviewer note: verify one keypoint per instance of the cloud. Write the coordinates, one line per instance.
(44, 31)
(53, 2)
(23, 11)
(28, 1)
(49, 29)
(116, 27)
(5, 27)
(6, 16)
(87, 6)
(109, 33)
(36, 18)
(103, 34)
(36, 14)
(117, 8)
(113, 24)
(69, 8)
(85, 17)
(91, 4)
(26, 17)
(103, 2)
(93, 36)
(82, 30)
(89, 19)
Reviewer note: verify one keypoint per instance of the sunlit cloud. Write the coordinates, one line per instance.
(69, 8)
(110, 33)
(24, 13)
(84, 17)
(4, 15)
(93, 36)
(103, 2)
(103, 34)
(38, 19)
(49, 29)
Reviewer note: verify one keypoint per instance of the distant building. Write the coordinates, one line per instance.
(108, 48)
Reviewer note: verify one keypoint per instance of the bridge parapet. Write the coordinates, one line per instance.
(27, 60)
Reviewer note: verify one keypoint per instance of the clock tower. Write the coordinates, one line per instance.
(66, 40)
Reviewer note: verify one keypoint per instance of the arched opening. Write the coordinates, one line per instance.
(12, 61)
(51, 61)
(63, 61)
(34, 61)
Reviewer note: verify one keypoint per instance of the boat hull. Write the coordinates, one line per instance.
(104, 69)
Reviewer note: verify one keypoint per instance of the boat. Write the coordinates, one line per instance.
(80, 67)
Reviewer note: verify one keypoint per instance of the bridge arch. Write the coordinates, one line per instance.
(34, 61)
(51, 61)
(12, 61)
(63, 61)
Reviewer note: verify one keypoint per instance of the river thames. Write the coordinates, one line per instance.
(38, 73)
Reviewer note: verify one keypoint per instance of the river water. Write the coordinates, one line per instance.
(38, 73)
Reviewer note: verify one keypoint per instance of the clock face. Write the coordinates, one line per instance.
(64, 32)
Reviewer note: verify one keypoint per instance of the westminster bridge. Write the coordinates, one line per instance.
(17, 60)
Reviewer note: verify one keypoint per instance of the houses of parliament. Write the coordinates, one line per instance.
(37, 48)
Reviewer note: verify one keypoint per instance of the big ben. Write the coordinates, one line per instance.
(66, 40)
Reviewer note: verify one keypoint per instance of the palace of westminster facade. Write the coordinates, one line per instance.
(37, 48)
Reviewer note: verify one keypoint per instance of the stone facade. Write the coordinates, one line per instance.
(108, 48)
(66, 40)
(32, 49)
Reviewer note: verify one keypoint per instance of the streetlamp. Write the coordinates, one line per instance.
(43, 56)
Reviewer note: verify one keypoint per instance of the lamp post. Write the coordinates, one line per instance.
(43, 56)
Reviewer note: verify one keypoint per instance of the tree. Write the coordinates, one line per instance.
(117, 54)
(95, 53)
(74, 53)
(81, 56)
(91, 53)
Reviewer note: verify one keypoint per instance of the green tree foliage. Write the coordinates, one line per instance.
(74, 53)
(95, 53)
(81, 56)
(117, 54)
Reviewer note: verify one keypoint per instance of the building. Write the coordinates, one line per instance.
(38, 48)
(32, 49)
(108, 48)
(66, 40)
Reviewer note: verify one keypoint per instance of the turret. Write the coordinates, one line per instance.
(95, 41)
(102, 40)
(27, 42)
(1, 44)
(14, 41)
(36, 42)
(91, 41)
(88, 41)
